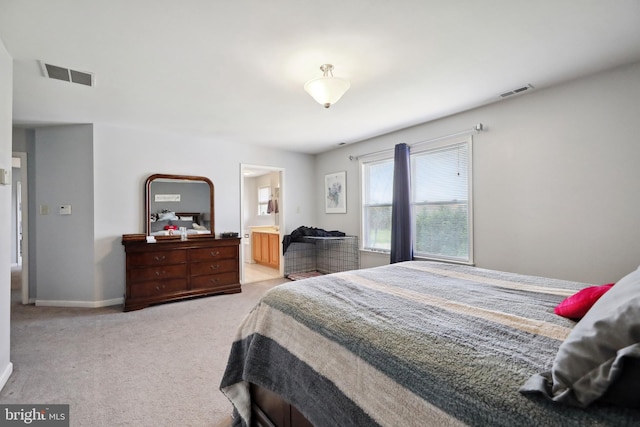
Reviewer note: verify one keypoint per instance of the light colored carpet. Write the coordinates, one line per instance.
(160, 366)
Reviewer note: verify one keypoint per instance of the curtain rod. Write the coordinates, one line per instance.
(479, 127)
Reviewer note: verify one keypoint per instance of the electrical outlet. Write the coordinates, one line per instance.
(65, 210)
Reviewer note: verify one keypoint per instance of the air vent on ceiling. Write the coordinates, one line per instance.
(516, 91)
(67, 75)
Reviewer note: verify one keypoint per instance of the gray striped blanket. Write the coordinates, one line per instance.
(410, 344)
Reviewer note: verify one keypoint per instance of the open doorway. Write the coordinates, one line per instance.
(262, 222)
(19, 223)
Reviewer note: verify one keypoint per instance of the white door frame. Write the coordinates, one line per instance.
(18, 230)
(281, 219)
(25, 224)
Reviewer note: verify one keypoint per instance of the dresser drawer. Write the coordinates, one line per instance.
(162, 272)
(214, 267)
(207, 254)
(174, 269)
(214, 280)
(157, 288)
(157, 258)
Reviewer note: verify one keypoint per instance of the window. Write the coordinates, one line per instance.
(263, 200)
(378, 195)
(441, 202)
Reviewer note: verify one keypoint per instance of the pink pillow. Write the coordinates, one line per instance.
(577, 305)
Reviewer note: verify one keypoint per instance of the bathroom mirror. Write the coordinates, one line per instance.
(175, 201)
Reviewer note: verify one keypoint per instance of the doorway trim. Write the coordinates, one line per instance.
(25, 224)
(281, 218)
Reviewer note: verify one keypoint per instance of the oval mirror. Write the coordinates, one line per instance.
(174, 201)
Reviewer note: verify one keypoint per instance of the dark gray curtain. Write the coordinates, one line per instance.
(401, 245)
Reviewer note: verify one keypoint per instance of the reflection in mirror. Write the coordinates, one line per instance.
(175, 201)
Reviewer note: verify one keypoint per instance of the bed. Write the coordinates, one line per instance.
(422, 343)
(168, 223)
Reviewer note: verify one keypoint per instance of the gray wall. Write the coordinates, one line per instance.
(19, 144)
(556, 180)
(24, 141)
(64, 243)
(555, 187)
(6, 101)
(78, 259)
(123, 158)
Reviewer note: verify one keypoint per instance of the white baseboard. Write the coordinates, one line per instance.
(6, 373)
(81, 304)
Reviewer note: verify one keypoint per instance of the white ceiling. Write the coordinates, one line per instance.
(234, 70)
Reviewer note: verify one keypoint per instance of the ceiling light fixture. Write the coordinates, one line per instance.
(327, 90)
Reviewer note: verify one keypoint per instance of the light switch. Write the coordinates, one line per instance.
(65, 210)
(44, 209)
(5, 177)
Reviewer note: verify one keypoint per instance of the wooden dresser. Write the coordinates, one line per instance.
(172, 269)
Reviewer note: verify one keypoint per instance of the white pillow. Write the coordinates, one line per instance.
(590, 363)
(167, 215)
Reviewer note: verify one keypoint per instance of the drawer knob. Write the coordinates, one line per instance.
(160, 258)
(216, 253)
(214, 280)
(160, 273)
(214, 267)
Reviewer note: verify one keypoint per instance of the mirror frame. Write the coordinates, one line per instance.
(147, 201)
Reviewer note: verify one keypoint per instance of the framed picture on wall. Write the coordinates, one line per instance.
(335, 189)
